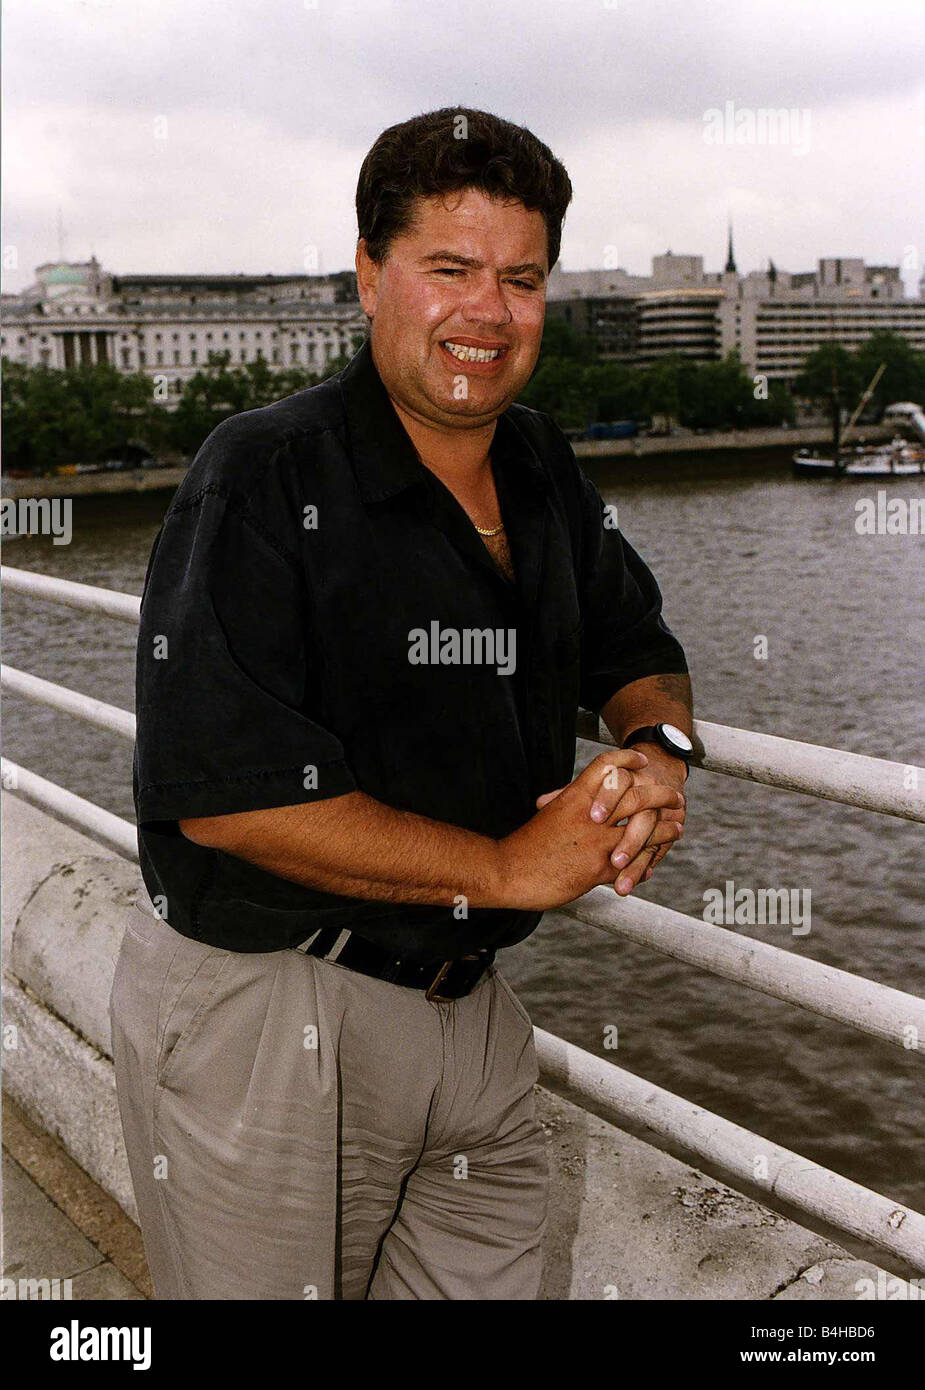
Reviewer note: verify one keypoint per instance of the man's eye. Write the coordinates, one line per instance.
(524, 284)
(448, 270)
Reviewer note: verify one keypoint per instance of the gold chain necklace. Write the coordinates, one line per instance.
(488, 531)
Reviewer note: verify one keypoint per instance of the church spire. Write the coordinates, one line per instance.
(730, 258)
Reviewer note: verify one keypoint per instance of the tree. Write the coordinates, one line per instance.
(830, 377)
(561, 341)
(53, 417)
(904, 378)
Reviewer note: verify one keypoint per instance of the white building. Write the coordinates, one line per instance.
(772, 318)
(166, 325)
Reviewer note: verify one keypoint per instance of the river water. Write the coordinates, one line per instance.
(741, 550)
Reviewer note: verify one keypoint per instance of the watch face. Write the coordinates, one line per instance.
(677, 737)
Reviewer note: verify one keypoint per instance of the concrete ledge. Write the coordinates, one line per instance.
(626, 1220)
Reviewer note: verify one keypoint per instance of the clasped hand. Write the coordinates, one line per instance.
(642, 791)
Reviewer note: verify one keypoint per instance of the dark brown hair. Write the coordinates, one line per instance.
(427, 155)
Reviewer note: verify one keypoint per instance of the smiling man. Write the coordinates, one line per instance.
(369, 619)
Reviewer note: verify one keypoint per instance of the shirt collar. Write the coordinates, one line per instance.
(384, 458)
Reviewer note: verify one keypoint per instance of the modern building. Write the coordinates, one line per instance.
(772, 318)
(166, 325)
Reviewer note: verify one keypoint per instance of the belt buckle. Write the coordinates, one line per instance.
(431, 991)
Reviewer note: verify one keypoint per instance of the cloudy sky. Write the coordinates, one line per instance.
(226, 135)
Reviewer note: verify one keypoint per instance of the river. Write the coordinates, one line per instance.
(742, 551)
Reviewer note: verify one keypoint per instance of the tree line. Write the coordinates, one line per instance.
(95, 413)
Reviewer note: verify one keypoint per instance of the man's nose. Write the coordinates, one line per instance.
(486, 303)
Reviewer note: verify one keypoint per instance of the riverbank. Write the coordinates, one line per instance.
(722, 441)
(643, 446)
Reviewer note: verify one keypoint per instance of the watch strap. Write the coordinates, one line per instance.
(651, 733)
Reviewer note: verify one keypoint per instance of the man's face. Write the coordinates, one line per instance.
(470, 272)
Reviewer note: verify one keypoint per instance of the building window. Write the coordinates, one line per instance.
(176, 358)
(276, 354)
(160, 358)
(225, 337)
(126, 357)
(192, 355)
(142, 357)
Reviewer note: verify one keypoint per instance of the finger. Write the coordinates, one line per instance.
(545, 799)
(608, 776)
(630, 876)
(635, 834)
(655, 859)
(647, 796)
(665, 831)
(660, 837)
(661, 852)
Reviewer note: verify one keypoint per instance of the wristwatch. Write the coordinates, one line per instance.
(667, 736)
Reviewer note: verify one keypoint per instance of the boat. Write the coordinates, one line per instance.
(901, 457)
(896, 459)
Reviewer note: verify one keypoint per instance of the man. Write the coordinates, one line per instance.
(369, 618)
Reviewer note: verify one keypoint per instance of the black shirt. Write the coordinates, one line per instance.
(318, 617)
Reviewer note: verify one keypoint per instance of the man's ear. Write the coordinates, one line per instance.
(367, 279)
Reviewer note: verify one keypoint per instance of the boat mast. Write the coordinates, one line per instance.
(864, 399)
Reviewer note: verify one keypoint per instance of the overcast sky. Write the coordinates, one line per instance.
(226, 135)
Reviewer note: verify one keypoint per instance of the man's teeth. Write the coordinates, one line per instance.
(471, 354)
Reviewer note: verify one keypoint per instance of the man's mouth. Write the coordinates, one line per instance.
(463, 352)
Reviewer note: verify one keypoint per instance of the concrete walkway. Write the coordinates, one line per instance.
(58, 1225)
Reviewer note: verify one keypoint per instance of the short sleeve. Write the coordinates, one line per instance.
(227, 678)
(624, 636)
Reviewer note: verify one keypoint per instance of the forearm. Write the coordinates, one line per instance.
(362, 848)
(653, 700)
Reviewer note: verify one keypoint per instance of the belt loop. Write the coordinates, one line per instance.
(304, 945)
(338, 946)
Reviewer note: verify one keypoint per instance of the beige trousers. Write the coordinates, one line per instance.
(297, 1130)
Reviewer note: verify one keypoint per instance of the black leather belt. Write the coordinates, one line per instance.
(454, 978)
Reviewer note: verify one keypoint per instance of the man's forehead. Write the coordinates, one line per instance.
(469, 213)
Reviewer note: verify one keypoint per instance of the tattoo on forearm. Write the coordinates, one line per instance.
(676, 688)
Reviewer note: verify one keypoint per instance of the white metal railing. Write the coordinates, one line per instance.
(874, 784)
(854, 779)
(626, 1099)
(885, 1013)
(125, 607)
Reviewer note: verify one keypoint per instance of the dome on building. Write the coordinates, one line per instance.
(65, 275)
